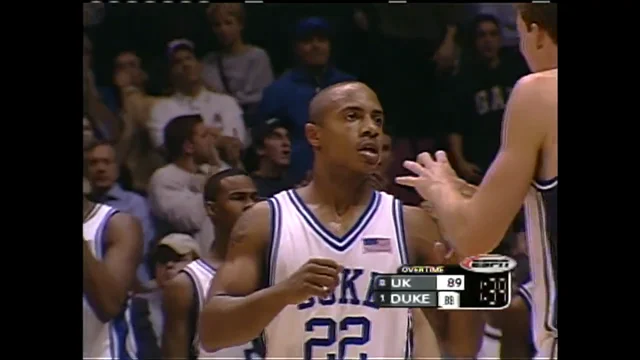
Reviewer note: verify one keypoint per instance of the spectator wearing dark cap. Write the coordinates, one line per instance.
(290, 95)
(175, 190)
(220, 112)
(272, 148)
(238, 69)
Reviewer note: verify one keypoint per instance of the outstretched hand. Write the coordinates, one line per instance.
(432, 176)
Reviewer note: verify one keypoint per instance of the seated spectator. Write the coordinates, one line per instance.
(480, 93)
(175, 190)
(238, 69)
(220, 112)
(171, 255)
(139, 155)
(102, 174)
(290, 95)
(273, 150)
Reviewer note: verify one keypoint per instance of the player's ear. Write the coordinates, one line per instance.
(312, 133)
(187, 147)
(210, 206)
(538, 35)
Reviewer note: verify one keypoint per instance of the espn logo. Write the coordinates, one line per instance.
(488, 264)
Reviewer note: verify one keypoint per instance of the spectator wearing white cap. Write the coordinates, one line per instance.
(220, 112)
(171, 254)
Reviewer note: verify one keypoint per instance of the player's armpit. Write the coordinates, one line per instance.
(233, 299)
(459, 333)
(177, 300)
(498, 199)
(107, 283)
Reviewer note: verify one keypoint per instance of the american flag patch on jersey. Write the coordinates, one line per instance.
(376, 245)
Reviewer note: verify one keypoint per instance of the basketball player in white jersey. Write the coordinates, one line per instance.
(227, 195)
(111, 252)
(525, 169)
(300, 266)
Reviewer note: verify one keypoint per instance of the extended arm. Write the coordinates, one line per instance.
(478, 224)
(106, 283)
(236, 313)
(459, 333)
(177, 299)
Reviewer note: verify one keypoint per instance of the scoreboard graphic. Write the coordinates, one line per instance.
(480, 282)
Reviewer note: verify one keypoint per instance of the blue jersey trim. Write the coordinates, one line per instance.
(338, 244)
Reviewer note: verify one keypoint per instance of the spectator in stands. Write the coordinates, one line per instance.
(102, 173)
(507, 18)
(220, 112)
(238, 69)
(480, 93)
(171, 255)
(140, 156)
(104, 122)
(175, 190)
(273, 149)
(290, 95)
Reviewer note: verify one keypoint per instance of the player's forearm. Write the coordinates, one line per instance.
(462, 225)
(103, 292)
(244, 318)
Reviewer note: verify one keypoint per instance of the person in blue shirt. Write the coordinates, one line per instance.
(102, 173)
(290, 95)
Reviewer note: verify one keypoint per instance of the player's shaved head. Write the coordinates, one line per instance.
(332, 96)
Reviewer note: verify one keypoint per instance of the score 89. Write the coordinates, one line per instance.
(450, 282)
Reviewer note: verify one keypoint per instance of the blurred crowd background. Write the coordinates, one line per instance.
(174, 93)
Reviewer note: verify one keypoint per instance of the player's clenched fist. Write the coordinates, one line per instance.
(317, 277)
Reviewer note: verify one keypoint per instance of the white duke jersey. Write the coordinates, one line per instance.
(201, 273)
(347, 324)
(542, 238)
(114, 339)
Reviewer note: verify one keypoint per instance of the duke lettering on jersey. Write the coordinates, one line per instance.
(348, 292)
(347, 324)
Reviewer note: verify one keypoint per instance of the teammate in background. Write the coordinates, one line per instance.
(528, 154)
(227, 195)
(111, 252)
(338, 234)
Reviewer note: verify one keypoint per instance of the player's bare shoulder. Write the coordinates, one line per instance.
(178, 294)
(539, 90)
(252, 228)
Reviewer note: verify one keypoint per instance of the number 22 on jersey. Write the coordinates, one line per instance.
(335, 331)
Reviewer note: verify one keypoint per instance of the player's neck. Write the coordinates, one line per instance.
(187, 164)
(191, 90)
(353, 189)
(269, 170)
(551, 62)
(220, 244)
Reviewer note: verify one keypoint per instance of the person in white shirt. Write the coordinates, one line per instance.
(220, 112)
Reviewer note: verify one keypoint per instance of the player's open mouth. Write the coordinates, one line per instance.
(370, 151)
